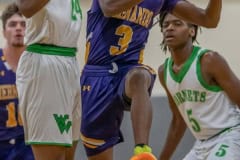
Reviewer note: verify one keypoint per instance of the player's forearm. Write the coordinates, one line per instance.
(113, 7)
(208, 17)
(175, 134)
(29, 7)
(213, 12)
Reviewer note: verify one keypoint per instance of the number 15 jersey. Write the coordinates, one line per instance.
(10, 121)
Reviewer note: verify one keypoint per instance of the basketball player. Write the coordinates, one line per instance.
(48, 77)
(12, 145)
(114, 78)
(203, 95)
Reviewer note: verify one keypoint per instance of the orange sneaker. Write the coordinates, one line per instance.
(144, 156)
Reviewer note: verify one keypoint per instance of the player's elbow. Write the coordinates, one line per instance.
(25, 11)
(212, 24)
(26, 14)
(108, 8)
(108, 11)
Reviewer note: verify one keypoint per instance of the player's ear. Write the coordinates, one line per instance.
(192, 31)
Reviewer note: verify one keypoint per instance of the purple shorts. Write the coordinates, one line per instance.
(103, 103)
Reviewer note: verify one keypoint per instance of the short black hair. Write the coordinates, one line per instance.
(161, 19)
(8, 12)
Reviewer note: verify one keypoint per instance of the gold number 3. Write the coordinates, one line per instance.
(126, 33)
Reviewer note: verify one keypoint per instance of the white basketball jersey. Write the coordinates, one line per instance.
(58, 23)
(206, 109)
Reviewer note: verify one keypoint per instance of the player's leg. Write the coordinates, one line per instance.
(138, 85)
(70, 151)
(101, 113)
(46, 152)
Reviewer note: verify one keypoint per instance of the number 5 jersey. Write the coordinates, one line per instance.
(206, 109)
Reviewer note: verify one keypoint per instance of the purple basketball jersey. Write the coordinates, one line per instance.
(115, 45)
(9, 118)
(121, 38)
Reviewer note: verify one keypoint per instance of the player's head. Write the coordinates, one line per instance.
(13, 24)
(176, 32)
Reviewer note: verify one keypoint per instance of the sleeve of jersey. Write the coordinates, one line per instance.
(168, 5)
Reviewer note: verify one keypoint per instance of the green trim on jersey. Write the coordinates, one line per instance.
(186, 66)
(213, 88)
(49, 143)
(52, 50)
(76, 9)
(222, 131)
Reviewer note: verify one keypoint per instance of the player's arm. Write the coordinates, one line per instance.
(216, 67)
(177, 127)
(112, 7)
(29, 7)
(208, 17)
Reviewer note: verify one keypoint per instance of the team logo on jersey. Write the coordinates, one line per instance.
(63, 122)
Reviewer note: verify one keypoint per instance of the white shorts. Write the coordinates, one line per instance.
(225, 146)
(49, 98)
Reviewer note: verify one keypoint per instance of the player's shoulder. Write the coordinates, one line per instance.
(212, 62)
(210, 57)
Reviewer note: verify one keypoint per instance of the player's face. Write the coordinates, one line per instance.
(15, 30)
(176, 32)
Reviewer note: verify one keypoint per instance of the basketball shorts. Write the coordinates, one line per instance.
(15, 149)
(225, 146)
(49, 98)
(103, 104)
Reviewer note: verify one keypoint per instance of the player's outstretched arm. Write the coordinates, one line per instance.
(177, 127)
(30, 7)
(208, 17)
(221, 74)
(112, 7)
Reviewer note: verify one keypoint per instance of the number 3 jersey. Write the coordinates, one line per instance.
(205, 108)
(121, 38)
(9, 119)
